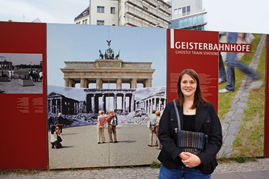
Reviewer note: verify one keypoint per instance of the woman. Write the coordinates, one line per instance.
(60, 122)
(197, 115)
(158, 114)
(101, 127)
(55, 138)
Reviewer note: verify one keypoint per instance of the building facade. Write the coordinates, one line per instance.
(4, 64)
(135, 13)
(84, 17)
(107, 71)
(155, 102)
(94, 104)
(58, 103)
(188, 14)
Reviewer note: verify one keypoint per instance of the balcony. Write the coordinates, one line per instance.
(151, 11)
(140, 15)
(150, 2)
(132, 21)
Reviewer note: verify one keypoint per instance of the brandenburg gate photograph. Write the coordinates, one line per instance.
(104, 68)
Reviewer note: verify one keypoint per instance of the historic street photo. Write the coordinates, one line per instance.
(21, 73)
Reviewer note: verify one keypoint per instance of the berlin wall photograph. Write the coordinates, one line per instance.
(21, 73)
(104, 68)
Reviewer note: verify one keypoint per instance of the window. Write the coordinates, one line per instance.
(175, 11)
(144, 7)
(195, 20)
(100, 9)
(185, 22)
(85, 21)
(112, 10)
(188, 10)
(100, 22)
(184, 11)
(179, 12)
(190, 21)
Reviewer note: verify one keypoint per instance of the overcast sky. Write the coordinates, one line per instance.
(17, 59)
(223, 15)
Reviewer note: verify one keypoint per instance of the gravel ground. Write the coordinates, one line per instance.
(136, 172)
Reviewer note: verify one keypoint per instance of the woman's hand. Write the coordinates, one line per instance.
(192, 161)
(183, 156)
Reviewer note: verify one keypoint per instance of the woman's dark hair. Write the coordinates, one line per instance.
(198, 98)
(53, 129)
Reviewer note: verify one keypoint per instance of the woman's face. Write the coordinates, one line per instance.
(188, 85)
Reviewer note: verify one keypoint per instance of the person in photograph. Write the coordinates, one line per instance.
(55, 138)
(197, 115)
(101, 127)
(112, 121)
(158, 115)
(152, 124)
(222, 72)
(40, 75)
(60, 122)
(232, 63)
(30, 74)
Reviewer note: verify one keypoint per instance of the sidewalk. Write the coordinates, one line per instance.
(232, 170)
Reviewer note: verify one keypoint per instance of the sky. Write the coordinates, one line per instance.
(17, 59)
(237, 15)
(223, 15)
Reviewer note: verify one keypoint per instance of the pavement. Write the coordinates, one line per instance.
(82, 157)
(232, 170)
(13, 86)
(81, 150)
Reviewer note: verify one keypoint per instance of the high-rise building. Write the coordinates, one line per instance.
(188, 14)
(135, 13)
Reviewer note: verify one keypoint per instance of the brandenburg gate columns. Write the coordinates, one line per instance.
(134, 83)
(108, 70)
(66, 84)
(119, 84)
(83, 83)
(71, 83)
(124, 102)
(115, 101)
(148, 83)
(98, 83)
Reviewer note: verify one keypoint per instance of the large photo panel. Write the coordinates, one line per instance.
(242, 108)
(119, 70)
(23, 96)
(232, 75)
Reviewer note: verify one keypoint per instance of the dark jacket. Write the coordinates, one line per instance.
(60, 121)
(206, 121)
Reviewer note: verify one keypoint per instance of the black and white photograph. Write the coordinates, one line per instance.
(21, 73)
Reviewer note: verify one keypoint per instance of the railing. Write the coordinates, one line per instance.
(142, 15)
(150, 10)
(137, 22)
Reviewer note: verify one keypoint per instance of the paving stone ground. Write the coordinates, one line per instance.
(14, 87)
(80, 148)
(232, 170)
